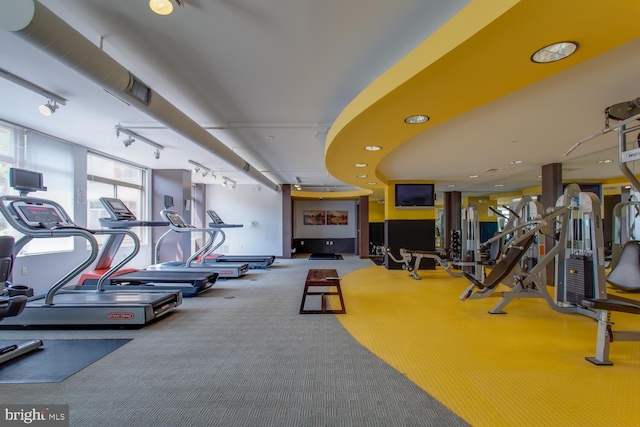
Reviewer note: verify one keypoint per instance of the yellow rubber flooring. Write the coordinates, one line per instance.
(525, 368)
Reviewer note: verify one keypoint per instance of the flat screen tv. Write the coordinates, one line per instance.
(415, 195)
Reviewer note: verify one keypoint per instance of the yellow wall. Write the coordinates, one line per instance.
(376, 211)
(483, 203)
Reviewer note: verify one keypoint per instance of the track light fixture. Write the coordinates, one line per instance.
(298, 184)
(228, 182)
(204, 171)
(53, 101)
(49, 108)
(132, 137)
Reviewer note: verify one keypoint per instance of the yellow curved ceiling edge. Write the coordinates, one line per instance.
(480, 55)
(330, 195)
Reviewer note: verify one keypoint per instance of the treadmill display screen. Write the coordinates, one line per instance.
(214, 217)
(176, 220)
(37, 215)
(117, 205)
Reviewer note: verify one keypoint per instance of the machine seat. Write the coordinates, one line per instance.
(625, 276)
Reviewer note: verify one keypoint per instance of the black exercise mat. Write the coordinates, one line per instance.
(377, 260)
(56, 360)
(315, 256)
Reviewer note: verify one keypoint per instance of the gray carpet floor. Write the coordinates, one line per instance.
(238, 355)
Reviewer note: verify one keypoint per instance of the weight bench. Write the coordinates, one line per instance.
(326, 278)
(606, 335)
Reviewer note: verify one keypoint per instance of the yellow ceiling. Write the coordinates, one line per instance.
(481, 54)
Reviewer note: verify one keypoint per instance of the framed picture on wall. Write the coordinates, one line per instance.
(314, 217)
(337, 217)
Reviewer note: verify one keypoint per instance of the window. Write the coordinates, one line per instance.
(27, 149)
(107, 177)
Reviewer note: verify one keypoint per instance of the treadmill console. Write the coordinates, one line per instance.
(176, 220)
(41, 215)
(117, 210)
(214, 217)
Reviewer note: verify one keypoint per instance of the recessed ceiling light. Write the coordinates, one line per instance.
(554, 52)
(373, 148)
(473, 176)
(360, 165)
(451, 185)
(362, 175)
(161, 7)
(372, 183)
(604, 161)
(516, 162)
(499, 185)
(417, 119)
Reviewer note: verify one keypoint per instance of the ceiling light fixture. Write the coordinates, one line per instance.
(298, 184)
(360, 165)
(417, 119)
(516, 162)
(132, 137)
(49, 108)
(228, 182)
(604, 161)
(373, 148)
(163, 7)
(554, 52)
(53, 101)
(197, 167)
(372, 183)
(473, 176)
(362, 175)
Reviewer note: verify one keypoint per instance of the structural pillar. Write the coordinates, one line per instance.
(452, 215)
(551, 190)
(287, 221)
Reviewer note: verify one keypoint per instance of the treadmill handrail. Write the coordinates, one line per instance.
(188, 229)
(50, 233)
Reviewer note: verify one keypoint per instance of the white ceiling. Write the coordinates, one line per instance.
(275, 75)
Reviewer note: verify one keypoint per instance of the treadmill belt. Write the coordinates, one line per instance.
(56, 360)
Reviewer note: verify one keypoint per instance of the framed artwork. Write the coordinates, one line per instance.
(337, 217)
(314, 217)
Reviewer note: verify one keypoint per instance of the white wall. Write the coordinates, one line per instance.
(246, 205)
(301, 231)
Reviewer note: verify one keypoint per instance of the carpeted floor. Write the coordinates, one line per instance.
(239, 355)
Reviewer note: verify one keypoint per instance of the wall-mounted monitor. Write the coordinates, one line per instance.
(415, 195)
(168, 202)
(26, 181)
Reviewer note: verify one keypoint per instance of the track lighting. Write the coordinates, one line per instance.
(53, 101)
(132, 137)
(49, 108)
(228, 182)
(204, 171)
(298, 184)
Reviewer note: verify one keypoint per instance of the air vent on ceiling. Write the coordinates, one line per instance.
(139, 90)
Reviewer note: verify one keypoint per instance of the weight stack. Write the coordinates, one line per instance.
(579, 280)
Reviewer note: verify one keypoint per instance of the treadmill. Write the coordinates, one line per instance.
(178, 225)
(254, 261)
(62, 308)
(104, 277)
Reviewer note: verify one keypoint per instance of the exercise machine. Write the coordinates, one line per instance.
(104, 277)
(178, 225)
(38, 218)
(254, 261)
(13, 299)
